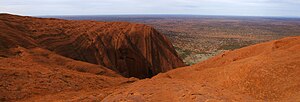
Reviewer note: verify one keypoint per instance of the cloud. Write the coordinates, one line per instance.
(202, 7)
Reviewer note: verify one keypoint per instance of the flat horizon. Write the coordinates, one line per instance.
(169, 15)
(256, 8)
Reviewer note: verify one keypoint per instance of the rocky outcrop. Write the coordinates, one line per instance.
(130, 49)
(31, 73)
(28, 72)
(263, 72)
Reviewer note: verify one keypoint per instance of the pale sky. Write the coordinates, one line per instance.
(286, 8)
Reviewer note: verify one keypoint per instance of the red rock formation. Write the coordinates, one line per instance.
(29, 73)
(131, 49)
(263, 72)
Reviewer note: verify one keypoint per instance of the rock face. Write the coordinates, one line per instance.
(35, 72)
(264, 72)
(29, 72)
(130, 49)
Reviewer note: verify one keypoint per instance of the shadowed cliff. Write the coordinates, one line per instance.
(133, 50)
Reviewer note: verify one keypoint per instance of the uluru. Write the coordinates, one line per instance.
(133, 50)
(263, 72)
(51, 59)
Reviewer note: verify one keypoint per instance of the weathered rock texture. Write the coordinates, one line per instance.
(35, 73)
(131, 49)
(264, 72)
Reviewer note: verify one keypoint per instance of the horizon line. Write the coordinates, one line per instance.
(153, 14)
(166, 15)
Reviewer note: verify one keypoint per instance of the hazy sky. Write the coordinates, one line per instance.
(288, 8)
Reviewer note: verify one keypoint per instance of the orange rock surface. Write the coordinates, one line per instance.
(263, 72)
(131, 49)
(27, 73)
(31, 68)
